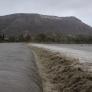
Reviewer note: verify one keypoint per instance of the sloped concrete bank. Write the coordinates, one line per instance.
(18, 70)
(61, 73)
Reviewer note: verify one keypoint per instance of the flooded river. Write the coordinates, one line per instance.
(18, 71)
(82, 52)
(83, 47)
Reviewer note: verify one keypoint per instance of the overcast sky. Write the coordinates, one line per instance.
(80, 8)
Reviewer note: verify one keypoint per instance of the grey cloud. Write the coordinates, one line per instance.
(78, 8)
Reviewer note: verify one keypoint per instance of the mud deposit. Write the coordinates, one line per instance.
(62, 74)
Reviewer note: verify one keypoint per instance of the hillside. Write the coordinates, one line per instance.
(16, 24)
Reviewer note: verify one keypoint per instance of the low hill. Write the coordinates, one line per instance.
(16, 24)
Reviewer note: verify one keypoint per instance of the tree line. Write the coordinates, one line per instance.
(19, 38)
(48, 38)
(63, 38)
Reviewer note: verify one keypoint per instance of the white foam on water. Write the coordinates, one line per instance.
(83, 56)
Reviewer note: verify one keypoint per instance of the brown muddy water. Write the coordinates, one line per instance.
(61, 73)
(18, 71)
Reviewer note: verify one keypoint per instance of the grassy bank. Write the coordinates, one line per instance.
(62, 74)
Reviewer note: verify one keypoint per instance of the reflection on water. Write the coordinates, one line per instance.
(18, 72)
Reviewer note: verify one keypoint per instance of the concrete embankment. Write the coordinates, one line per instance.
(62, 73)
(18, 70)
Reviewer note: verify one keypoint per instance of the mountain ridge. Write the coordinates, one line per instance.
(19, 23)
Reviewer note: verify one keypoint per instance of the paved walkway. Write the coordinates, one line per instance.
(18, 72)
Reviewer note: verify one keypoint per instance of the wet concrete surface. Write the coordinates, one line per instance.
(18, 71)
